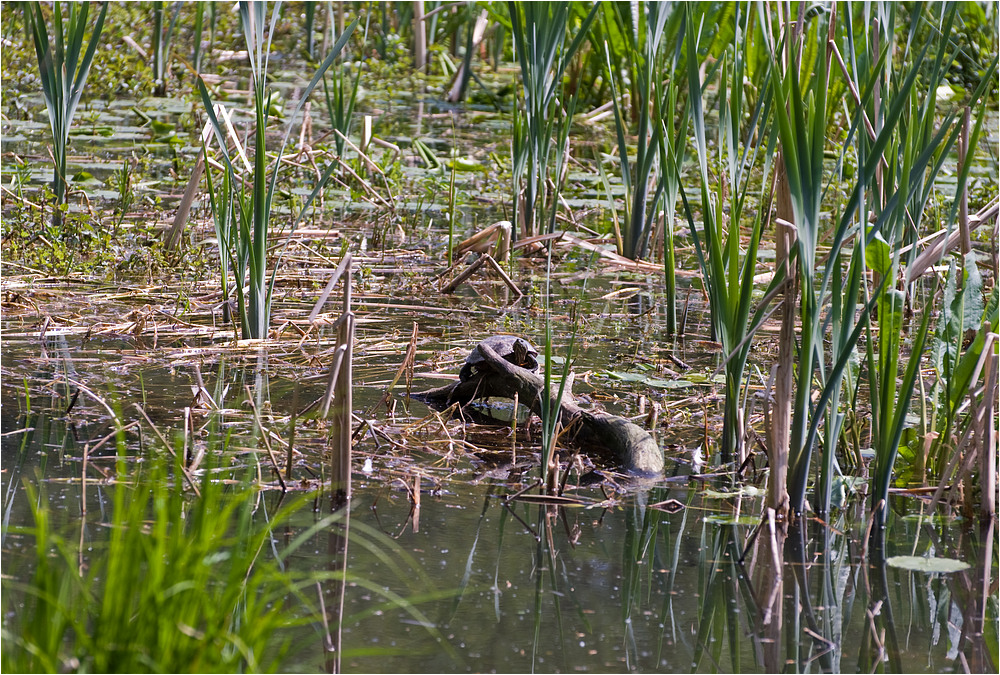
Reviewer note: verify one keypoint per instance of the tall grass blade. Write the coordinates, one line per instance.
(727, 270)
(539, 32)
(254, 209)
(63, 73)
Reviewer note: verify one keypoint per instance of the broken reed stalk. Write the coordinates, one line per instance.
(485, 259)
(173, 239)
(988, 434)
(494, 239)
(405, 368)
(781, 409)
(339, 388)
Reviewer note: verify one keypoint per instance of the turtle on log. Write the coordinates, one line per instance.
(511, 348)
(504, 366)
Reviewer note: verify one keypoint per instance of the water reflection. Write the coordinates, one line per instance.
(664, 577)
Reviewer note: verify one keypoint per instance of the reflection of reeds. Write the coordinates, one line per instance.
(63, 66)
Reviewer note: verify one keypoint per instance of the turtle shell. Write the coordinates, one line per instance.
(512, 348)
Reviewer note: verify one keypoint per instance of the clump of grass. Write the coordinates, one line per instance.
(188, 580)
(179, 587)
(539, 32)
(63, 65)
(250, 224)
(728, 271)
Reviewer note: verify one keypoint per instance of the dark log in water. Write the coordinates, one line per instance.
(628, 444)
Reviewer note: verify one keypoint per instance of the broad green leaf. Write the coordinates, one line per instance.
(972, 295)
(890, 306)
(878, 256)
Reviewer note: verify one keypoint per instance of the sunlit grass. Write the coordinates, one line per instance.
(64, 62)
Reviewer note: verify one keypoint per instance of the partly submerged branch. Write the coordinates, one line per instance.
(629, 444)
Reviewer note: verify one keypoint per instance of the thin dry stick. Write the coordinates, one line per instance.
(327, 638)
(365, 184)
(503, 275)
(91, 394)
(184, 471)
(415, 496)
(406, 367)
(345, 263)
(465, 274)
(372, 166)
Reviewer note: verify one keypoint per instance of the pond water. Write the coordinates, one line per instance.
(670, 575)
(663, 576)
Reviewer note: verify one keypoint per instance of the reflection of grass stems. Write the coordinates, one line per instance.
(724, 584)
(183, 583)
(63, 70)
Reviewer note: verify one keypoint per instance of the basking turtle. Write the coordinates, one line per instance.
(512, 348)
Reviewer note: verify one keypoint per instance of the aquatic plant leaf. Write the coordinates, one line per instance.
(719, 519)
(972, 295)
(916, 563)
(877, 255)
(655, 382)
(745, 491)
